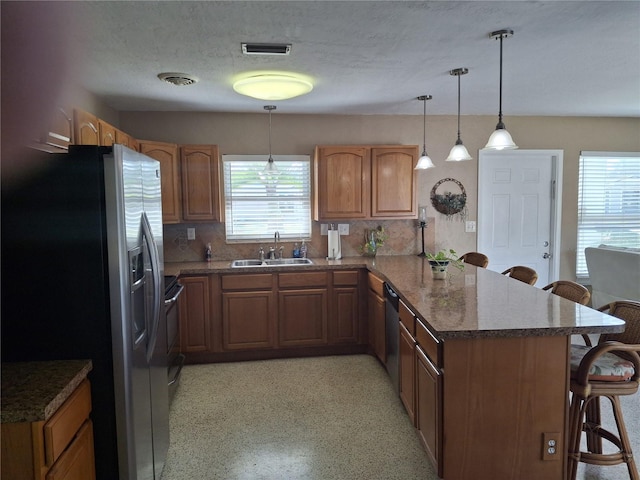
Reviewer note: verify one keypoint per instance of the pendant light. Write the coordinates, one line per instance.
(500, 139)
(459, 152)
(270, 173)
(424, 161)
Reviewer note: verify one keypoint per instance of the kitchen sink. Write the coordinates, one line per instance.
(277, 262)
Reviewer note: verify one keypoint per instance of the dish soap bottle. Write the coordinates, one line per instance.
(296, 250)
(207, 253)
(303, 250)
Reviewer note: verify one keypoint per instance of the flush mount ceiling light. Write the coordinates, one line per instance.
(273, 86)
(459, 152)
(500, 139)
(179, 79)
(270, 173)
(424, 161)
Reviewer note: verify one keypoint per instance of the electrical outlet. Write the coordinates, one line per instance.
(343, 228)
(551, 446)
(470, 226)
(323, 229)
(191, 233)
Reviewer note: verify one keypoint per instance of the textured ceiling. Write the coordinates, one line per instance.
(566, 58)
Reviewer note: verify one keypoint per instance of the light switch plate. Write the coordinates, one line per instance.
(191, 233)
(343, 228)
(470, 226)
(323, 229)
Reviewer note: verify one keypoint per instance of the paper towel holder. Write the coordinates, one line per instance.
(422, 224)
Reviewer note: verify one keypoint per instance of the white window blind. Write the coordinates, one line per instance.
(256, 208)
(608, 202)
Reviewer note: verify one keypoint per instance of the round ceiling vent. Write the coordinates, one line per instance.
(178, 78)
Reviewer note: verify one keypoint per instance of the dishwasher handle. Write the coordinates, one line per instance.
(391, 296)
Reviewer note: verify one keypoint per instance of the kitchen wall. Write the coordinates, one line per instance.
(236, 133)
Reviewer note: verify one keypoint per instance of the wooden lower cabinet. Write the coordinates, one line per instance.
(428, 410)
(376, 304)
(59, 449)
(407, 360)
(248, 320)
(344, 308)
(195, 314)
(302, 317)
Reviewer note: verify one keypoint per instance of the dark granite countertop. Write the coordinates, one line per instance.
(33, 391)
(473, 302)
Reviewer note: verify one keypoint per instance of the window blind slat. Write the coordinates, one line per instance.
(608, 202)
(255, 209)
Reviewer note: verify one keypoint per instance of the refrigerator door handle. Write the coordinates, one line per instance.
(155, 271)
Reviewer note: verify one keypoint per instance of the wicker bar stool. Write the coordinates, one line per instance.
(475, 258)
(570, 290)
(524, 274)
(610, 369)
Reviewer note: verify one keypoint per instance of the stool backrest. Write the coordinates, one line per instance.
(475, 258)
(522, 273)
(570, 290)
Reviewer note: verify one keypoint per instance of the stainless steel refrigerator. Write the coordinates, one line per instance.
(83, 277)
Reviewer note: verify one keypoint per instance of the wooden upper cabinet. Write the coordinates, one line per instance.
(365, 182)
(167, 155)
(107, 133)
(200, 182)
(124, 139)
(393, 184)
(60, 132)
(85, 127)
(342, 176)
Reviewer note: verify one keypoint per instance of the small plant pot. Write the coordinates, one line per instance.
(439, 269)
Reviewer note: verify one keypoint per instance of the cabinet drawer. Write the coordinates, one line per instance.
(349, 277)
(302, 279)
(64, 424)
(428, 342)
(407, 318)
(257, 281)
(375, 284)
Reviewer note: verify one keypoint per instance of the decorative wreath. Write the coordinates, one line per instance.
(448, 203)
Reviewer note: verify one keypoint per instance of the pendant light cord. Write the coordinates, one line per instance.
(270, 158)
(459, 106)
(500, 124)
(424, 127)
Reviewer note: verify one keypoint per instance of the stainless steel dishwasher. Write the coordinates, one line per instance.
(392, 334)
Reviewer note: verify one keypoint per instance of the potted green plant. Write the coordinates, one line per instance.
(441, 260)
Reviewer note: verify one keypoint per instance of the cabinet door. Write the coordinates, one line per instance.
(345, 325)
(77, 462)
(107, 133)
(85, 128)
(195, 320)
(123, 139)
(200, 184)
(407, 371)
(302, 317)
(393, 185)
(377, 333)
(343, 178)
(60, 132)
(248, 320)
(429, 408)
(167, 155)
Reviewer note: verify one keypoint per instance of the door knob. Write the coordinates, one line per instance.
(546, 255)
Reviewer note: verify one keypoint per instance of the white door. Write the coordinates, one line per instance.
(519, 201)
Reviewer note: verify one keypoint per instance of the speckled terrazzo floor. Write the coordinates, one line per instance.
(329, 418)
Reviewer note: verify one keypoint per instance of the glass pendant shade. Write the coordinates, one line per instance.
(500, 139)
(424, 162)
(458, 153)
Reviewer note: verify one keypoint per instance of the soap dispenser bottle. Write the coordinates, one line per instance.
(207, 252)
(303, 250)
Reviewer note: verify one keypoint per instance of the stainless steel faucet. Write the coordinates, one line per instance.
(276, 239)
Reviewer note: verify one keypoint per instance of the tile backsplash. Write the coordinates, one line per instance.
(403, 239)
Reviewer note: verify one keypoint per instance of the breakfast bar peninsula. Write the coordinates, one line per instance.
(493, 356)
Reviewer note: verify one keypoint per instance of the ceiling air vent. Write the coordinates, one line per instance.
(179, 79)
(266, 48)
